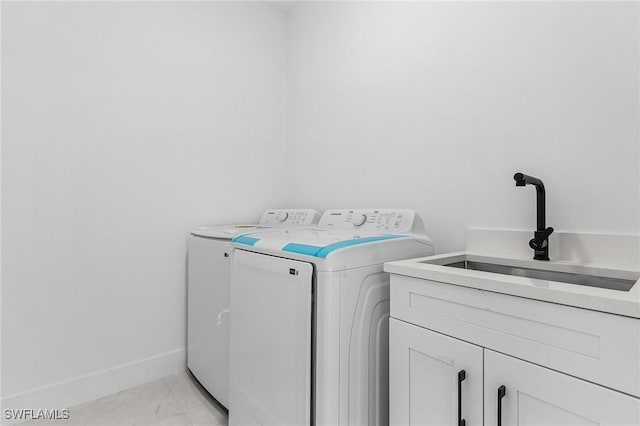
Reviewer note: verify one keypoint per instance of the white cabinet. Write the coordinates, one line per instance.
(537, 396)
(432, 376)
(437, 330)
(595, 346)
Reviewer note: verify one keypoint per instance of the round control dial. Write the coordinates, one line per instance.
(282, 216)
(359, 219)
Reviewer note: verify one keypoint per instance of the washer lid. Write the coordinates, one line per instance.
(332, 249)
(310, 242)
(224, 232)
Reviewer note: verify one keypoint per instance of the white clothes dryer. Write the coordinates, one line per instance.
(310, 318)
(209, 257)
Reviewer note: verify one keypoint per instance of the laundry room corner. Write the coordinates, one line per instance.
(123, 127)
(315, 213)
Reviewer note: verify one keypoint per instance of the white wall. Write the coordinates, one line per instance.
(435, 106)
(123, 127)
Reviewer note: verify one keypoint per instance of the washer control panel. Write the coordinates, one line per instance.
(386, 220)
(289, 217)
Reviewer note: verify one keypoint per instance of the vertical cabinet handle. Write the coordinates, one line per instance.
(461, 376)
(502, 391)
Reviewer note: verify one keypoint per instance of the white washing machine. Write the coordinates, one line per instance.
(310, 318)
(208, 295)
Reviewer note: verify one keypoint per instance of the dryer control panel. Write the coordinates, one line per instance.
(289, 217)
(385, 220)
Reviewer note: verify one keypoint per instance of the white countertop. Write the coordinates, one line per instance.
(618, 302)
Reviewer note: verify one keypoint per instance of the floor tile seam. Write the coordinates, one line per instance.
(175, 394)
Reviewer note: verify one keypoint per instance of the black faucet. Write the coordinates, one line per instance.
(540, 241)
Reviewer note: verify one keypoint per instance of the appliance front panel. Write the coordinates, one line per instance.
(208, 314)
(271, 308)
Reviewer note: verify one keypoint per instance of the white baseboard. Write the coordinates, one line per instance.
(86, 388)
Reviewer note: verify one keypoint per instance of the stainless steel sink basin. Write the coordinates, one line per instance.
(565, 277)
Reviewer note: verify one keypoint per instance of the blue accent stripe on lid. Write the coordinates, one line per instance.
(323, 252)
(302, 249)
(245, 240)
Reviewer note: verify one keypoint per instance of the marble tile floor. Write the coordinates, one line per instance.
(173, 401)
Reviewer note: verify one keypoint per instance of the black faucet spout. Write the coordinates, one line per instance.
(540, 241)
(522, 180)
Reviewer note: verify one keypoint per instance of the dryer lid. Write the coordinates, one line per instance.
(274, 218)
(224, 232)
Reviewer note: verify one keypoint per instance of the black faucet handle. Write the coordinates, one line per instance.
(534, 244)
(539, 240)
(545, 234)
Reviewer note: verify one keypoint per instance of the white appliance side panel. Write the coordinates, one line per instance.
(352, 347)
(270, 340)
(208, 318)
(365, 304)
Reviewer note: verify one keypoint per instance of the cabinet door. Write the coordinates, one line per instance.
(535, 395)
(424, 369)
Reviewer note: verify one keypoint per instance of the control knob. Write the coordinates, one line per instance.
(359, 219)
(282, 216)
